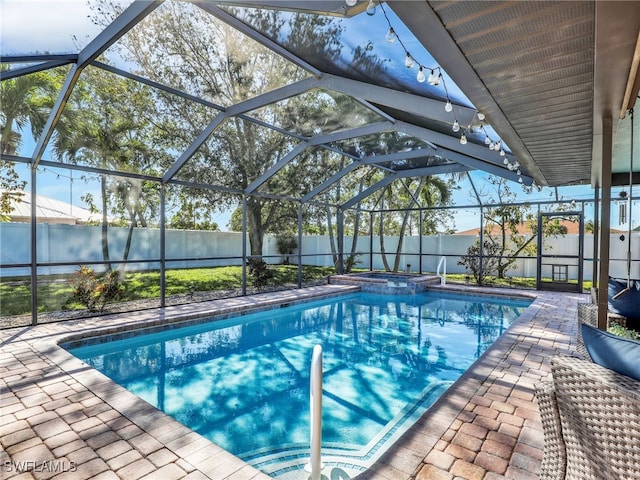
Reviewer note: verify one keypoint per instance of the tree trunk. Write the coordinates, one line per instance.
(405, 221)
(381, 236)
(332, 240)
(105, 225)
(254, 226)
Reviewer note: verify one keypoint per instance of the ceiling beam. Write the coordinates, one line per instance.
(236, 110)
(409, 173)
(330, 181)
(407, 102)
(298, 149)
(19, 72)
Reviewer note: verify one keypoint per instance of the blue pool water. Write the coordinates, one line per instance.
(244, 382)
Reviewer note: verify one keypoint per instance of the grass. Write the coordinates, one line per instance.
(56, 294)
(515, 282)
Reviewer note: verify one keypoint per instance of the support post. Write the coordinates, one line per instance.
(596, 230)
(244, 245)
(300, 245)
(605, 223)
(340, 239)
(163, 246)
(34, 249)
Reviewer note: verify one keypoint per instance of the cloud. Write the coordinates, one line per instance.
(30, 26)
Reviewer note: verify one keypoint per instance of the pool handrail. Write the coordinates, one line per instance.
(443, 277)
(314, 467)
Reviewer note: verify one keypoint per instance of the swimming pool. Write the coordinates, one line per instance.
(243, 382)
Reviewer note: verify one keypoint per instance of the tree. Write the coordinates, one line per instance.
(112, 134)
(431, 192)
(182, 46)
(502, 224)
(509, 231)
(25, 101)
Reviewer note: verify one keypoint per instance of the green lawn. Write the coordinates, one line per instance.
(515, 282)
(56, 294)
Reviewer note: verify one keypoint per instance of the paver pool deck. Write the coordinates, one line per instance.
(61, 419)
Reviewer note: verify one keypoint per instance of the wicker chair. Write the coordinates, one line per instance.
(591, 420)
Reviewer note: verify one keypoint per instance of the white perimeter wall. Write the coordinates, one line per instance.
(82, 245)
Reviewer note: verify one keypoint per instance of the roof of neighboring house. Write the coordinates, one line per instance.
(523, 229)
(49, 210)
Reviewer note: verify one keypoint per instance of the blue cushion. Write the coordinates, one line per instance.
(613, 352)
(627, 304)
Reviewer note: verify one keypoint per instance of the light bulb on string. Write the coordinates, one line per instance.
(351, 3)
(420, 77)
(506, 161)
(432, 78)
(408, 61)
(436, 82)
(502, 152)
(492, 145)
(456, 126)
(519, 179)
(463, 139)
(448, 107)
(487, 140)
(371, 8)
(518, 172)
(481, 116)
(391, 35)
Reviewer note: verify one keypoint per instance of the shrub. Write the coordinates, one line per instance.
(351, 261)
(287, 244)
(94, 292)
(489, 265)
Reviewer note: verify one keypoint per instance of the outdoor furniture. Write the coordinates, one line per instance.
(590, 418)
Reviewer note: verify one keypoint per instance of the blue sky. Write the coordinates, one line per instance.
(30, 26)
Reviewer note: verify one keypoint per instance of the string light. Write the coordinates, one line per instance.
(435, 79)
(408, 61)
(371, 8)
(391, 35)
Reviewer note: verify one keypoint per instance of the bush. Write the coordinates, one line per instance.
(259, 271)
(287, 244)
(351, 261)
(489, 265)
(94, 292)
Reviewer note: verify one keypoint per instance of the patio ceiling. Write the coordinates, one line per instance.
(543, 73)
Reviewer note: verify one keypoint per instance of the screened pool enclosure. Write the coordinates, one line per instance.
(175, 145)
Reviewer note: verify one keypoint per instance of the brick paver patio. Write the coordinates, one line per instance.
(60, 419)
